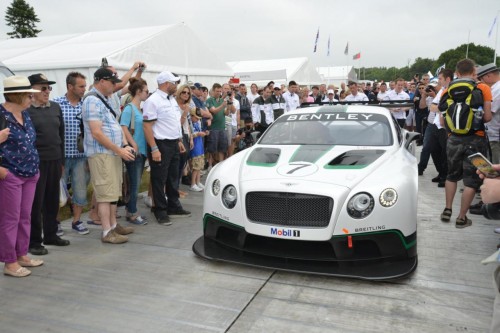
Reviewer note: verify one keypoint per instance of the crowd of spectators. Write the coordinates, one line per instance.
(180, 131)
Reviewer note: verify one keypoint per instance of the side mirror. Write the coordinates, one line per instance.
(410, 137)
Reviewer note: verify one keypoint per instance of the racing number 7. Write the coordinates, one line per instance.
(297, 168)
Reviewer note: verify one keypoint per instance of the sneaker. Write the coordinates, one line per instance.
(446, 215)
(179, 213)
(462, 223)
(113, 238)
(80, 228)
(137, 220)
(195, 188)
(200, 185)
(148, 201)
(123, 230)
(164, 220)
(60, 231)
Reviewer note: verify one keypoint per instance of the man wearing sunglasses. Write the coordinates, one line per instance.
(48, 121)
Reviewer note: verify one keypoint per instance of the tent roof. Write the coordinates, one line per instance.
(173, 47)
(335, 71)
(297, 69)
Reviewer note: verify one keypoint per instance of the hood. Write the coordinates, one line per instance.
(339, 165)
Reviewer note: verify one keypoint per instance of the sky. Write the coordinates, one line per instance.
(386, 33)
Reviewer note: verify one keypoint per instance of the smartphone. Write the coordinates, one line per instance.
(483, 165)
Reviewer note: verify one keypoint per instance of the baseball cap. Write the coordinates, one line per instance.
(197, 85)
(330, 91)
(167, 76)
(106, 74)
(39, 79)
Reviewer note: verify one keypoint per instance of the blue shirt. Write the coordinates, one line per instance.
(125, 120)
(94, 110)
(197, 141)
(19, 154)
(71, 126)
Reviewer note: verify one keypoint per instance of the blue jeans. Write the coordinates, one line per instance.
(76, 172)
(430, 132)
(134, 171)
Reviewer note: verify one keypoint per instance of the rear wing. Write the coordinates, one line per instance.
(386, 104)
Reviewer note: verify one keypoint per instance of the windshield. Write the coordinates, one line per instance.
(4, 72)
(332, 128)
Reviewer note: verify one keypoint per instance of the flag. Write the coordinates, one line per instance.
(440, 69)
(316, 42)
(356, 56)
(346, 51)
(328, 51)
(492, 26)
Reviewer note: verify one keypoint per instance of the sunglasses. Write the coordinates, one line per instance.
(185, 92)
(49, 88)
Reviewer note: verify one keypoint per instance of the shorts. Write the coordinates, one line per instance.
(231, 132)
(76, 172)
(459, 166)
(198, 162)
(106, 176)
(217, 141)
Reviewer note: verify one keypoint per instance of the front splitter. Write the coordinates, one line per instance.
(373, 269)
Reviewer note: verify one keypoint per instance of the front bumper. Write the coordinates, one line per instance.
(380, 255)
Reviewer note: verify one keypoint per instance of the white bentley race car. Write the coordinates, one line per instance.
(328, 190)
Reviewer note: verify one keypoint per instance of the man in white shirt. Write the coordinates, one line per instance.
(355, 95)
(292, 100)
(398, 94)
(383, 92)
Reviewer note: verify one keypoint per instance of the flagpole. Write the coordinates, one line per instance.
(467, 51)
(496, 40)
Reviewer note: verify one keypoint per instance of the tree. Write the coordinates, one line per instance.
(482, 55)
(21, 17)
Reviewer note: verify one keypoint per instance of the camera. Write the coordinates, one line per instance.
(141, 68)
(229, 93)
(491, 211)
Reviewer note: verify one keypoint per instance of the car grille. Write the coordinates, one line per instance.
(289, 209)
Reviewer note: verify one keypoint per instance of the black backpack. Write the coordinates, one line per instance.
(461, 107)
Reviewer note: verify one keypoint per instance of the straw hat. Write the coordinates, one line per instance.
(17, 84)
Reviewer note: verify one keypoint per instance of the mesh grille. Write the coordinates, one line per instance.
(289, 209)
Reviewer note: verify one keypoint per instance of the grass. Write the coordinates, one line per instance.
(65, 212)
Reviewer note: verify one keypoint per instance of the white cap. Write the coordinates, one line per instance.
(166, 77)
(330, 91)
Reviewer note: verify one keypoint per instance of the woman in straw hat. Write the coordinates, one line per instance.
(19, 164)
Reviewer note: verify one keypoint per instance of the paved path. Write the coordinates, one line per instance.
(154, 283)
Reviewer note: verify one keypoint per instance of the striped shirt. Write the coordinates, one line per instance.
(71, 126)
(94, 110)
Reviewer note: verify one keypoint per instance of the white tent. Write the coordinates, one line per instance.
(338, 74)
(172, 47)
(277, 70)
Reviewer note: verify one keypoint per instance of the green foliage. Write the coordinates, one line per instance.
(480, 54)
(21, 17)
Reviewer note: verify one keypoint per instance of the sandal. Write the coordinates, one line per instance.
(462, 223)
(446, 215)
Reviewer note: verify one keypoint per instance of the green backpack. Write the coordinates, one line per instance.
(460, 106)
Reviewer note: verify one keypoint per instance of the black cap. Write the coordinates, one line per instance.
(106, 74)
(198, 85)
(39, 79)
(486, 69)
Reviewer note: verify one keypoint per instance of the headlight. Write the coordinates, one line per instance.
(216, 187)
(229, 196)
(388, 197)
(360, 205)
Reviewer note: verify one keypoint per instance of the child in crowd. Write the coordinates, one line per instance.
(197, 153)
